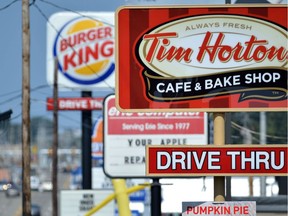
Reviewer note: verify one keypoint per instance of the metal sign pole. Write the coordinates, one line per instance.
(55, 142)
(228, 140)
(86, 145)
(155, 197)
(219, 140)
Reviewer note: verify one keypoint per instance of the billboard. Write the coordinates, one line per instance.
(84, 45)
(127, 134)
(212, 160)
(202, 58)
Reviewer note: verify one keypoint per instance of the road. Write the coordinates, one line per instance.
(12, 206)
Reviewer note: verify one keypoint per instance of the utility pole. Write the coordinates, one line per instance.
(55, 142)
(26, 199)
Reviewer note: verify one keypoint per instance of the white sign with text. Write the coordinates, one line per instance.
(78, 203)
(127, 134)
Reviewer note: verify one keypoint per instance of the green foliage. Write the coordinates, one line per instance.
(276, 127)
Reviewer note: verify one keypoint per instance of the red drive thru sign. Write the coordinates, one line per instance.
(202, 58)
(229, 160)
(76, 103)
(127, 134)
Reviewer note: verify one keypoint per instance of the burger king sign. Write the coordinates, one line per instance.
(84, 46)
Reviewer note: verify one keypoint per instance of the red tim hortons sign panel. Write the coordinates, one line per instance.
(206, 58)
(228, 160)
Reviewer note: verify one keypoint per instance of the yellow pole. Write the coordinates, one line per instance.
(121, 197)
(219, 140)
(112, 196)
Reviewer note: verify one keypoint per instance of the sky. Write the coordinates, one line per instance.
(11, 52)
(11, 55)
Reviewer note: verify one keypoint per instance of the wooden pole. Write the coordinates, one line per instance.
(26, 199)
(219, 140)
(55, 142)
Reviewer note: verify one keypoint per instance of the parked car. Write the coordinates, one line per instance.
(45, 185)
(35, 210)
(12, 190)
(34, 182)
(3, 185)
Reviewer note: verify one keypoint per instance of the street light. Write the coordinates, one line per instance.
(5, 115)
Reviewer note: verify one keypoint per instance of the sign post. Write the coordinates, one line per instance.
(86, 145)
(219, 140)
(156, 197)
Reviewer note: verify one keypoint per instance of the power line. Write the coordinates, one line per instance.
(11, 99)
(20, 94)
(17, 116)
(76, 12)
(10, 93)
(8, 5)
(32, 3)
(238, 127)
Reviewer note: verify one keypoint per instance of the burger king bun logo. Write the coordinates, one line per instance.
(84, 47)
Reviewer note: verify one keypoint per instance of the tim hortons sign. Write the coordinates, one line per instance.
(216, 58)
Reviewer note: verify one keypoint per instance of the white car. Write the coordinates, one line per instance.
(34, 182)
(45, 186)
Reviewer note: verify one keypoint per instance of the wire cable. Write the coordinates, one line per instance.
(76, 12)
(8, 5)
(20, 94)
(238, 127)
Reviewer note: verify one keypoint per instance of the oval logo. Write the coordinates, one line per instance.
(211, 44)
(85, 50)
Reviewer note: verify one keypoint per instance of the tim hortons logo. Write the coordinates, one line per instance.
(212, 55)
